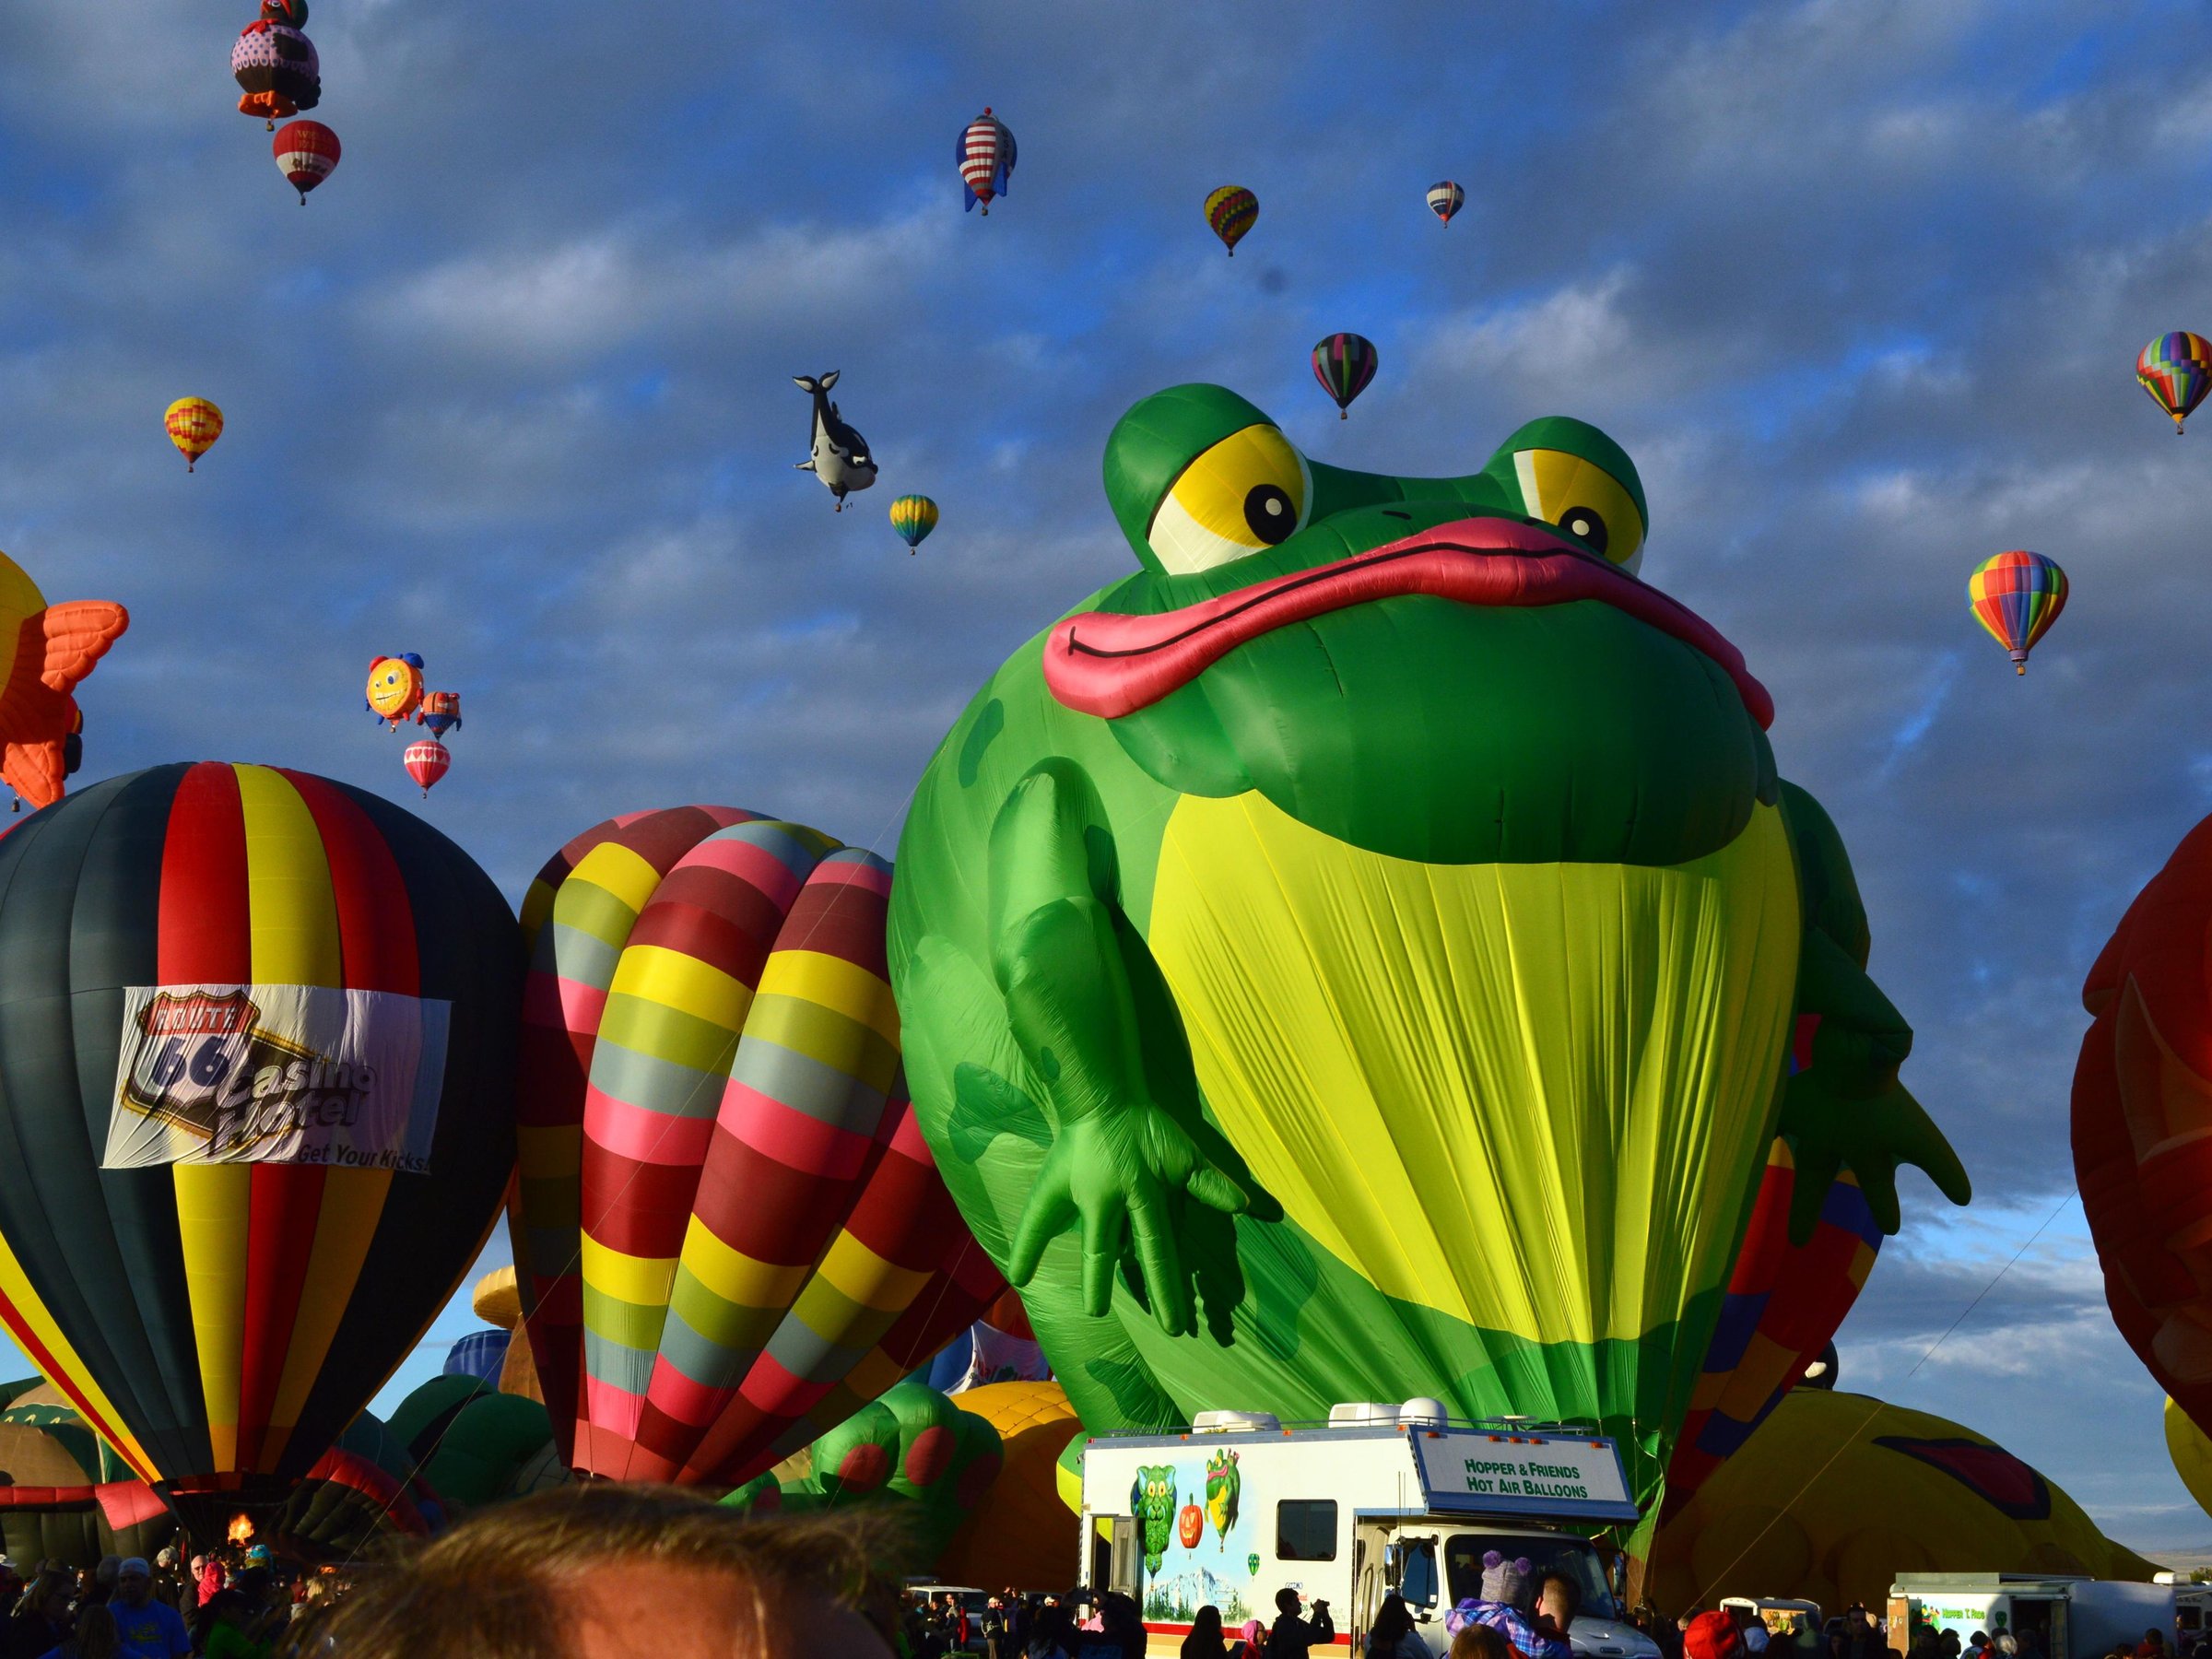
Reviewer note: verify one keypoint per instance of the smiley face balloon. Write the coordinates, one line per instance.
(395, 687)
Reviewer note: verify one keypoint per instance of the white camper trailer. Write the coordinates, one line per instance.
(1379, 1498)
(2065, 1617)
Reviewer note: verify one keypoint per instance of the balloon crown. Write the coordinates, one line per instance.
(293, 14)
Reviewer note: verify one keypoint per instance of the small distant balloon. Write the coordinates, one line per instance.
(275, 65)
(1343, 363)
(194, 425)
(440, 712)
(914, 516)
(2176, 369)
(2017, 596)
(986, 159)
(1231, 211)
(1446, 199)
(307, 153)
(395, 687)
(427, 761)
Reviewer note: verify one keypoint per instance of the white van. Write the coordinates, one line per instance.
(1378, 1499)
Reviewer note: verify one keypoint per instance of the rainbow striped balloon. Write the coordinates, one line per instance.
(2176, 369)
(730, 1235)
(1231, 211)
(1343, 363)
(2017, 596)
(913, 517)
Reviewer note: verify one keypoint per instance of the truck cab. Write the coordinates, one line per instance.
(1379, 1499)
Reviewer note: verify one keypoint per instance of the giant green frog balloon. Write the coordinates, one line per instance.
(1357, 956)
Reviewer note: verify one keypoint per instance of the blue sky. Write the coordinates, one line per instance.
(1858, 284)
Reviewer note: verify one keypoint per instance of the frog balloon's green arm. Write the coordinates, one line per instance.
(1118, 1159)
(1847, 1108)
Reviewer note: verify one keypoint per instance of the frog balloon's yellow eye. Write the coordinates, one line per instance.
(1247, 492)
(1583, 499)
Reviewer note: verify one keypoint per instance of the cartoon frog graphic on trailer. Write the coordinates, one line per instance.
(1382, 887)
(1224, 1484)
(1152, 1501)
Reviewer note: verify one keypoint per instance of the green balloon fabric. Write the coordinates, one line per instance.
(476, 1446)
(1355, 957)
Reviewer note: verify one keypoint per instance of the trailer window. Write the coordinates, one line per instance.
(1305, 1529)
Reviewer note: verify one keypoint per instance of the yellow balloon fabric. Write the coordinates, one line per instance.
(2192, 1455)
(1021, 1534)
(1835, 1494)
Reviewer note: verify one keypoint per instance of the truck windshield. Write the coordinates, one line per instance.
(1573, 1556)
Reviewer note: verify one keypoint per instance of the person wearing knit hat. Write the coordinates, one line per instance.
(1503, 1606)
(1712, 1636)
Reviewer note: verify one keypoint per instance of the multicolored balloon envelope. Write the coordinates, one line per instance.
(1231, 211)
(2142, 1101)
(192, 424)
(1446, 199)
(986, 159)
(2176, 369)
(307, 153)
(275, 65)
(1343, 363)
(256, 1060)
(427, 760)
(913, 517)
(2017, 596)
(730, 1235)
(1784, 1303)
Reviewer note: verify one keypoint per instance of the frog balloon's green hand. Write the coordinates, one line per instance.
(1871, 1136)
(1118, 1157)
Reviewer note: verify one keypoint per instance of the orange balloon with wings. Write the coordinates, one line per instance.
(45, 649)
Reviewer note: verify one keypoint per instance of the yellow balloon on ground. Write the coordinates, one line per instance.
(1021, 1534)
(2192, 1455)
(1835, 1494)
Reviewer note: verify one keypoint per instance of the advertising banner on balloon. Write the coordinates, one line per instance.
(277, 1073)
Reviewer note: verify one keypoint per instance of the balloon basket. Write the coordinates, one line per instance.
(1344, 413)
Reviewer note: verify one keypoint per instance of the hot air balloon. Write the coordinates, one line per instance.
(2140, 1157)
(710, 1086)
(307, 153)
(1343, 363)
(2017, 596)
(2176, 369)
(395, 687)
(440, 712)
(45, 651)
(1446, 199)
(1231, 211)
(275, 65)
(2186, 1445)
(913, 517)
(427, 760)
(256, 1160)
(985, 156)
(194, 425)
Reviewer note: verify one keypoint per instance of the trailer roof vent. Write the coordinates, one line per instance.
(1352, 1413)
(1233, 1422)
(1423, 1413)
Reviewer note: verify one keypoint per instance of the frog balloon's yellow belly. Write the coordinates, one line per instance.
(1532, 1097)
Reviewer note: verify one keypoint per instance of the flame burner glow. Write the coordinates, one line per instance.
(241, 1530)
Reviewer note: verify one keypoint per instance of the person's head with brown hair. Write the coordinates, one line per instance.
(603, 1572)
(95, 1635)
(1480, 1641)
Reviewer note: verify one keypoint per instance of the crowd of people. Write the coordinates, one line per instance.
(227, 1604)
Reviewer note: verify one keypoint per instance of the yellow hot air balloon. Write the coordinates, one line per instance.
(194, 425)
(2192, 1455)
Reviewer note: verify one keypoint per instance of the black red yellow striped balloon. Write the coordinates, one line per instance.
(222, 1223)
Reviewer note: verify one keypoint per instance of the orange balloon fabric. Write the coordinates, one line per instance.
(1021, 1534)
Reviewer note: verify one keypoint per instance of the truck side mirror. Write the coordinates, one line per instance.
(1417, 1579)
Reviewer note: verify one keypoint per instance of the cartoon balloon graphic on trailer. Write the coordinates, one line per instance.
(1199, 1545)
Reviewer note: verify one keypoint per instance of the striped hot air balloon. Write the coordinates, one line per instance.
(1231, 211)
(2176, 369)
(193, 424)
(307, 153)
(1343, 363)
(2017, 596)
(730, 1234)
(986, 159)
(913, 517)
(1446, 199)
(427, 760)
(254, 1160)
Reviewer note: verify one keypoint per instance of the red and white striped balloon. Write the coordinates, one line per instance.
(427, 761)
(307, 153)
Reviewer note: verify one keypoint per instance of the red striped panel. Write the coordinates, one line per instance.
(204, 933)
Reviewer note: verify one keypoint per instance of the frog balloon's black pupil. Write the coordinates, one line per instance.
(1269, 512)
(1586, 526)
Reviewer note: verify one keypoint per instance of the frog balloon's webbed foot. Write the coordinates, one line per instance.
(1871, 1136)
(1117, 1154)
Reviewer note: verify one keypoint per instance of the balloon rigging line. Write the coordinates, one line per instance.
(1850, 1439)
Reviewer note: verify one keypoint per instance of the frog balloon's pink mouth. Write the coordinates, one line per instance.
(1100, 663)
